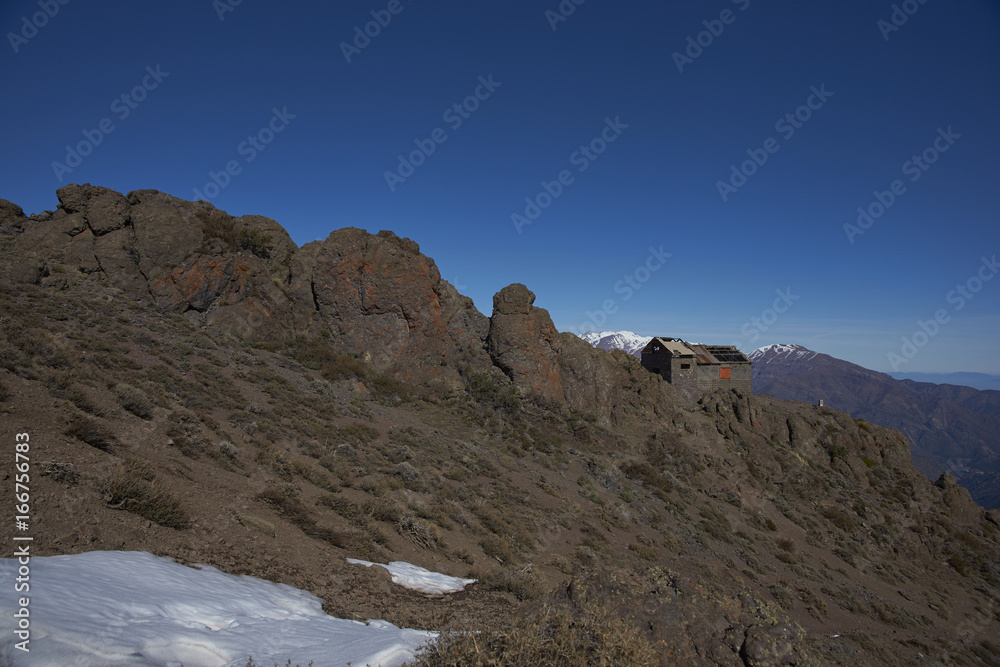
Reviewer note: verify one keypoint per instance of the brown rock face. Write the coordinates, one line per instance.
(525, 345)
(377, 294)
(380, 296)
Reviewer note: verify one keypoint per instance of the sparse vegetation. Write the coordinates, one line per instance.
(91, 432)
(293, 510)
(551, 636)
(490, 390)
(134, 400)
(133, 487)
(255, 242)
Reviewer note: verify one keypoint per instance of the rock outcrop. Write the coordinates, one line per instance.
(374, 295)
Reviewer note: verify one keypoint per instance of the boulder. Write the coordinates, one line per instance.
(102, 209)
(524, 344)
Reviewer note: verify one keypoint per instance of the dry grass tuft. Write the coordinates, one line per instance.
(134, 400)
(134, 488)
(92, 433)
(552, 636)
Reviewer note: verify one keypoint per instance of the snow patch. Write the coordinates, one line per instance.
(118, 608)
(419, 579)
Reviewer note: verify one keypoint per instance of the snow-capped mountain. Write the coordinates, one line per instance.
(783, 352)
(630, 342)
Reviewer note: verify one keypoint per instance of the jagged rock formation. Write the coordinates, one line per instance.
(375, 295)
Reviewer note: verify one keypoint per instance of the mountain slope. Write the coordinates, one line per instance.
(272, 410)
(956, 429)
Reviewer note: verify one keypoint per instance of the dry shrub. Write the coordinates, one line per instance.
(79, 397)
(293, 510)
(840, 518)
(522, 582)
(644, 551)
(383, 509)
(551, 636)
(92, 433)
(787, 544)
(134, 488)
(496, 546)
(134, 400)
(423, 533)
(61, 471)
(651, 477)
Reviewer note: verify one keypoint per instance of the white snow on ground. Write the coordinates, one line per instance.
(419, 579)
(116, 608)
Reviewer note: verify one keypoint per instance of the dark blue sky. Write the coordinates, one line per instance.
(641, 148)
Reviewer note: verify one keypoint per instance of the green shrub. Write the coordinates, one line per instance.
(487, 390)
(255, 242)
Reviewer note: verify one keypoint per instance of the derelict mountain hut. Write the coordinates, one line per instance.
(698, 367)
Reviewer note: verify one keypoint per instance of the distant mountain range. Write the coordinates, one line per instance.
(951, 427)
(974, 380)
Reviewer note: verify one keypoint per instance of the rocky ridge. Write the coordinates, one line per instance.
(245, 276)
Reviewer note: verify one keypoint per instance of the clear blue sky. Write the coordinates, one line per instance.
(655, 185)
